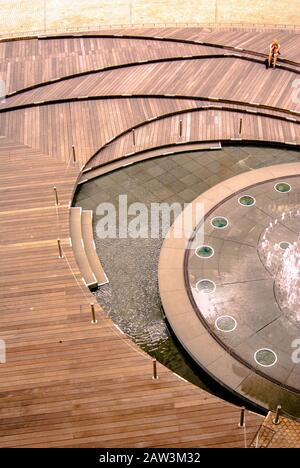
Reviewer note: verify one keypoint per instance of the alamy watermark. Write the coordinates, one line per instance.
(2, 352)
(140, 221)
(2, 92)
(296, 352)
(296, 91)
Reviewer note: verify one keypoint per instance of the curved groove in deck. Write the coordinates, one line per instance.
(137, 64)
(107, 62)
(99, 157)
(123, 80)
(197, 99)
(151, 37)
(173, 148)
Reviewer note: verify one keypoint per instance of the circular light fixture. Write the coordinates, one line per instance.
(247, 200)
(284, 245)
(219, 222)
(265, 357)
(205, 286)
(282, 187)
(225, 323)
(204, 251)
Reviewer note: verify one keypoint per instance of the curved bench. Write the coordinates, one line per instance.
(147, 153)
(79, 251)
(90, 248)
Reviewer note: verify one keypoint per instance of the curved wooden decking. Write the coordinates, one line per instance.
(68, 382)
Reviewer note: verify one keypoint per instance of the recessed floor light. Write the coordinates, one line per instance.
(282, 187)
(265, 357)
(226, 323)
(247, 200)
(204, 251)
(205, 286)
(219, 222)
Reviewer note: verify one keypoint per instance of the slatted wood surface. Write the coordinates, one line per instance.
(253, 39)
(93, 170)
(68, 382)
(56, 58)
(195, 78)
(84, 125)
(198, 126)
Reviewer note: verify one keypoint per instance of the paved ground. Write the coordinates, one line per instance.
(34, 15)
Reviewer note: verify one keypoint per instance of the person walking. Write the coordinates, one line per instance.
(273, 53)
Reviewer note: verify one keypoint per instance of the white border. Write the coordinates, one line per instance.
(281, 242)
(282, 182)
(225, 316)
(246, 195)
(204, 245)
(218, 217)
(265, 349)
(206, 279)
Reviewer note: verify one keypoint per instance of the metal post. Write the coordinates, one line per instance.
(133, 137)
(94, 320)
(73, 154)
(56, 196)
(180, 128)
(241, 126)
(60, 253)
(276, 419)
(242, 417)
(155, 377)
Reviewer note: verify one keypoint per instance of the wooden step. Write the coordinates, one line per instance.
(148, 153)
(90, 248)
(78, 248)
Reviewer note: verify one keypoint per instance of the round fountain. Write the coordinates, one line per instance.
(236, 308)
(287, 282)
(282, 260)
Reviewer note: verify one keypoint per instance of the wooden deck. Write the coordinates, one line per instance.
(68, 382)
(211, 77)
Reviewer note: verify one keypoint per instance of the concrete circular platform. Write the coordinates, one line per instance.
(222, 305)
